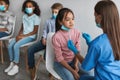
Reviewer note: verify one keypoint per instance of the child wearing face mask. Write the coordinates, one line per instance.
(40, 45)
(27, 33)
(66, 64)
(6, 19)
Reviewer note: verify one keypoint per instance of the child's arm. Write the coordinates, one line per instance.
(21, 30)
(31, 33)
(76, 63)
(11, 22)
(45, 32)
(21, 35)
(3, 29)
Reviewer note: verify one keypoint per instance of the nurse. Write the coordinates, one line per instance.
(104, 52)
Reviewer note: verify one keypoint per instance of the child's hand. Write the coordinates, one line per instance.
(72, 47)
(44, 41)
(76, 68)
(87, 37)
(76, 75)
(19, 37)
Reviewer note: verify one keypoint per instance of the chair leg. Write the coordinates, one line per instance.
(2, 57)
(38, 62)
(51, 76)
(26, 59)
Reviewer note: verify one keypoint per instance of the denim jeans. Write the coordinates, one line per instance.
(32, 50)
(13, 48)
(3, 34)
(86, 77)
(64, 73)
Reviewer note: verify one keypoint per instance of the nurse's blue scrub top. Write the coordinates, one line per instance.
(100, 57)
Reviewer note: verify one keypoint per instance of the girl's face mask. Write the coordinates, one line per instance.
(2, 8)
(64, 28)
(29, 10)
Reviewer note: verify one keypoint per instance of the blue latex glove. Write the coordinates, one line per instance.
(87, 37)
(72, 47)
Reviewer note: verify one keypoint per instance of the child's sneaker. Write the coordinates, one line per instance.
(9, 67)
(14, 70)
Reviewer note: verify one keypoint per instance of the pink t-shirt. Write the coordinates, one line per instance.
(59, 42)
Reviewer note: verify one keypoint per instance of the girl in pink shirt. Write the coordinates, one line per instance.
(66, 64)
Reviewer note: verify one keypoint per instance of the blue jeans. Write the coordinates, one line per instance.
(32, 50)
(3, 34)
(64, 73)
(13, 48)
(86, 77)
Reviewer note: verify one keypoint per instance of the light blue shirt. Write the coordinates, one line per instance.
(100, 57)
(29, 23)
(49, 27)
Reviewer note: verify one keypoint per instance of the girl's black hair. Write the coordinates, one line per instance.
(36, 10)
(61, 14)
(6, 1)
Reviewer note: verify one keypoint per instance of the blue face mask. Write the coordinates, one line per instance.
(98, 25)
(29, 10)
(64, 28)
(2, 8)
(54, 16)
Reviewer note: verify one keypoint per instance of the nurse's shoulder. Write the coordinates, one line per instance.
(100, 40)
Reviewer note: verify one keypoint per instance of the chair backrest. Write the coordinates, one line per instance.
(13, 28)
(50, 56)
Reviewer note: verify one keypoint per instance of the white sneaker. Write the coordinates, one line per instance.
(9, 67)
(14, 70)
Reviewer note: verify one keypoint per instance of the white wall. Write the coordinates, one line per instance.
(83, 10)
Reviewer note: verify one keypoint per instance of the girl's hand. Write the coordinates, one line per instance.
(76, 75)
(19, 37)
(76, 68)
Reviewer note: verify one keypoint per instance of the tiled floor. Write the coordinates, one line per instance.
(22, 75)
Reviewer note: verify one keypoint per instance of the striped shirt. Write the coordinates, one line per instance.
(6, 20)
(59, 42)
